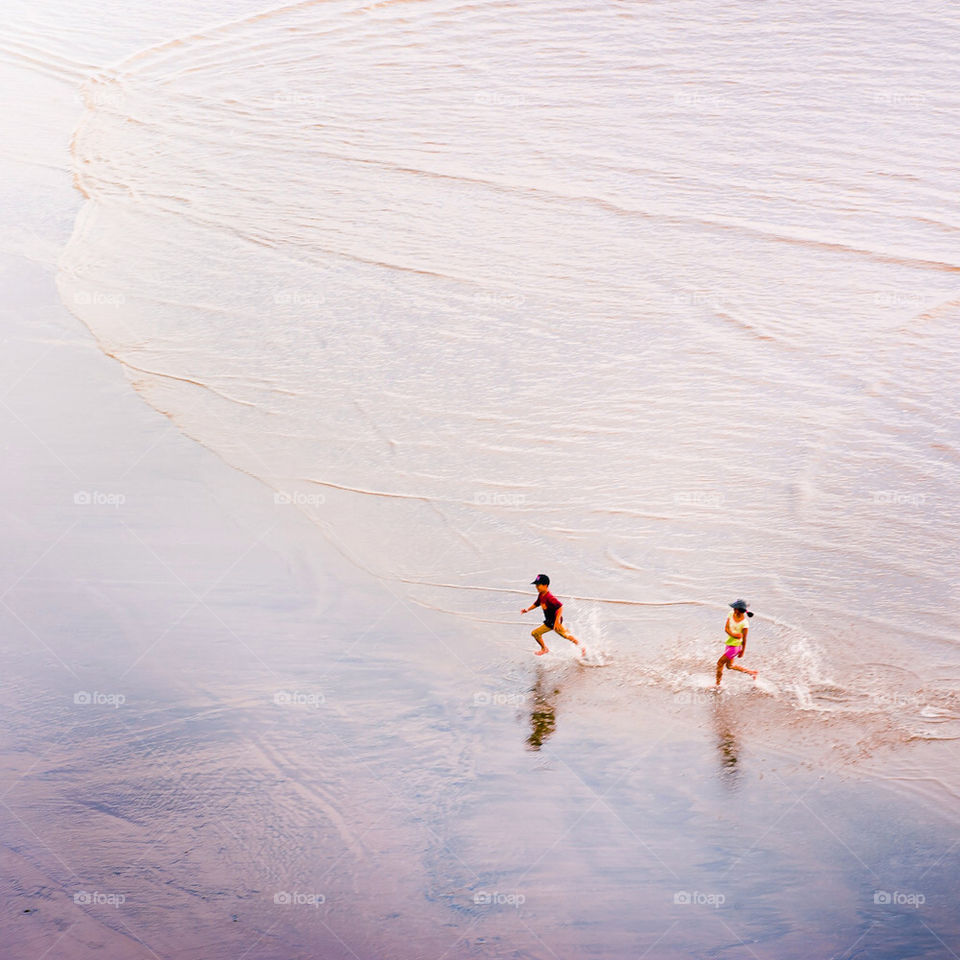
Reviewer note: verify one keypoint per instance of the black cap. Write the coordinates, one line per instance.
(541, 578)
(741, 605)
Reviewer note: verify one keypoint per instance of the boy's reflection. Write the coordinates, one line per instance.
(543, 715)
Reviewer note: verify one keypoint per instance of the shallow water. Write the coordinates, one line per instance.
(658, 300)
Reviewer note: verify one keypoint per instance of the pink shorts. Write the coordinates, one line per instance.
(731, 652)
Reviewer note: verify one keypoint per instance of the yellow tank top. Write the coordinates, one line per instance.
(737, 630)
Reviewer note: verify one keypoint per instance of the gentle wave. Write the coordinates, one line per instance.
(492, 290)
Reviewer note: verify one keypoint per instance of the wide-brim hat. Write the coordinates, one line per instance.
(741, 605)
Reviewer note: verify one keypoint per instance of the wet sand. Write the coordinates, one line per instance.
(222, 740)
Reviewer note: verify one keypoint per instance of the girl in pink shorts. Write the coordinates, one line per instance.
(736, 630)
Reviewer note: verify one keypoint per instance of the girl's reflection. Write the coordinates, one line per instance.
(724, 725)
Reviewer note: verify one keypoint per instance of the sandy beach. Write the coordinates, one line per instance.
(221, 742)
(277, 481)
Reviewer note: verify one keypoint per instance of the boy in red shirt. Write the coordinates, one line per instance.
(552, 616)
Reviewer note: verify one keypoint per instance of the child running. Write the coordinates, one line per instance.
(552, 615)
(736, 629)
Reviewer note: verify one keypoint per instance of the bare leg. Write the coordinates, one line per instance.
(538, 636)
(562, 630)
(753, 673)
(721, 663)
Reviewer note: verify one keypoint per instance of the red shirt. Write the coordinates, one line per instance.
(549, 603)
